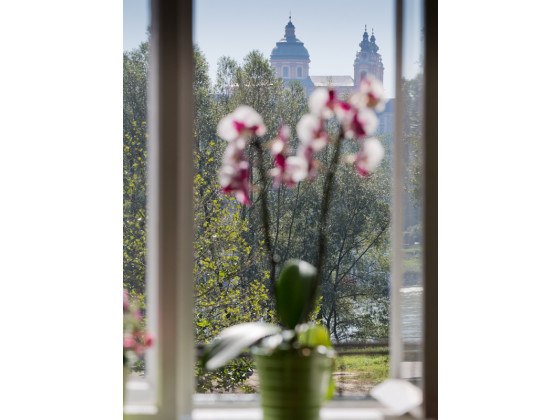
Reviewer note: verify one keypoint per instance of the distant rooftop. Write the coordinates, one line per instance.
(325, 81)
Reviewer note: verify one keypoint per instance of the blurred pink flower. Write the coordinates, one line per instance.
(128, 342)
(359, 123)
(322, 103)
(306, 155)
(148, 340)
(135, 339)
(279, 147)
(357, 120)
(234, 174)
(369, 157)
(279, 150)
(299, 168)
(371, 94)
(311, 132)
(244, 122)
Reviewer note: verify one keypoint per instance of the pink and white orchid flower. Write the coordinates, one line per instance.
(306, 156)
(289, 170)
(244, 122)
(279, 147)
(322, 103)
(369, 157)
(296, 169)
(358, 123)
(371, 94)
(279, 150)
(234, 174)
(311, 132)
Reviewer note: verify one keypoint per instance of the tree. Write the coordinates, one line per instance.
(135, 73)
(224, 294)
(230, 277)
(134, 208)
(204, 109)
(135, 91)
(413, 97)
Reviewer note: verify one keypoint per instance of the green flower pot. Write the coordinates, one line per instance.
(293, 386)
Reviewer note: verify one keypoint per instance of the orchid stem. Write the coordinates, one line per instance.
(265, 215)
(325, 207)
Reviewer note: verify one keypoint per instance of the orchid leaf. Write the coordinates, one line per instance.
(313, 335)
(294, 289)
(232, 341)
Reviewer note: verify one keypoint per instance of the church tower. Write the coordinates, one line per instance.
(368, 60)
(290, 58)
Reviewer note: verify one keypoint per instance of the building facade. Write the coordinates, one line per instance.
(290, 59)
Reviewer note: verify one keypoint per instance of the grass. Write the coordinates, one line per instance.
(412, 261)
(359, 373)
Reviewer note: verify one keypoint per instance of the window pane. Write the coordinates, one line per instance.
(239, 58)
(412, 240)
(136, 15)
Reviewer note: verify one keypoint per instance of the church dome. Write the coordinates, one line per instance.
(289, 46)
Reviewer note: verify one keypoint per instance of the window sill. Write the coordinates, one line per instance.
(246, 407)
(327, 413)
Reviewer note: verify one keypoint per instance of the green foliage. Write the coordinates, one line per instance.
(228, 378)
(230, 276)
(225, 293)
(135, 73)
(135, 89)
(134, 208)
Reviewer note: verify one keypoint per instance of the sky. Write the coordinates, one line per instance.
(330, 30)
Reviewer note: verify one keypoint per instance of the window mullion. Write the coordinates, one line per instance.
(395, 337)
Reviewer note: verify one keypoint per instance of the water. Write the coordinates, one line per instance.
(411, 314)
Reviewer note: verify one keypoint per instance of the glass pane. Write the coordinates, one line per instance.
(271, 58)
(136, 15)
(412, 281)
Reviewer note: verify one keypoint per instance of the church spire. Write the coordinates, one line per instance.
(368, 60)
(290, 30)
(373, 45)
(364, 45)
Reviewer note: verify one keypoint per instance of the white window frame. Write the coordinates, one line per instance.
(170, 224)
(285, 71)
(170, 175)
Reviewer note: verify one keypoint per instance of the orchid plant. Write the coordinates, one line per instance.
(135, 339)
(296, 287)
